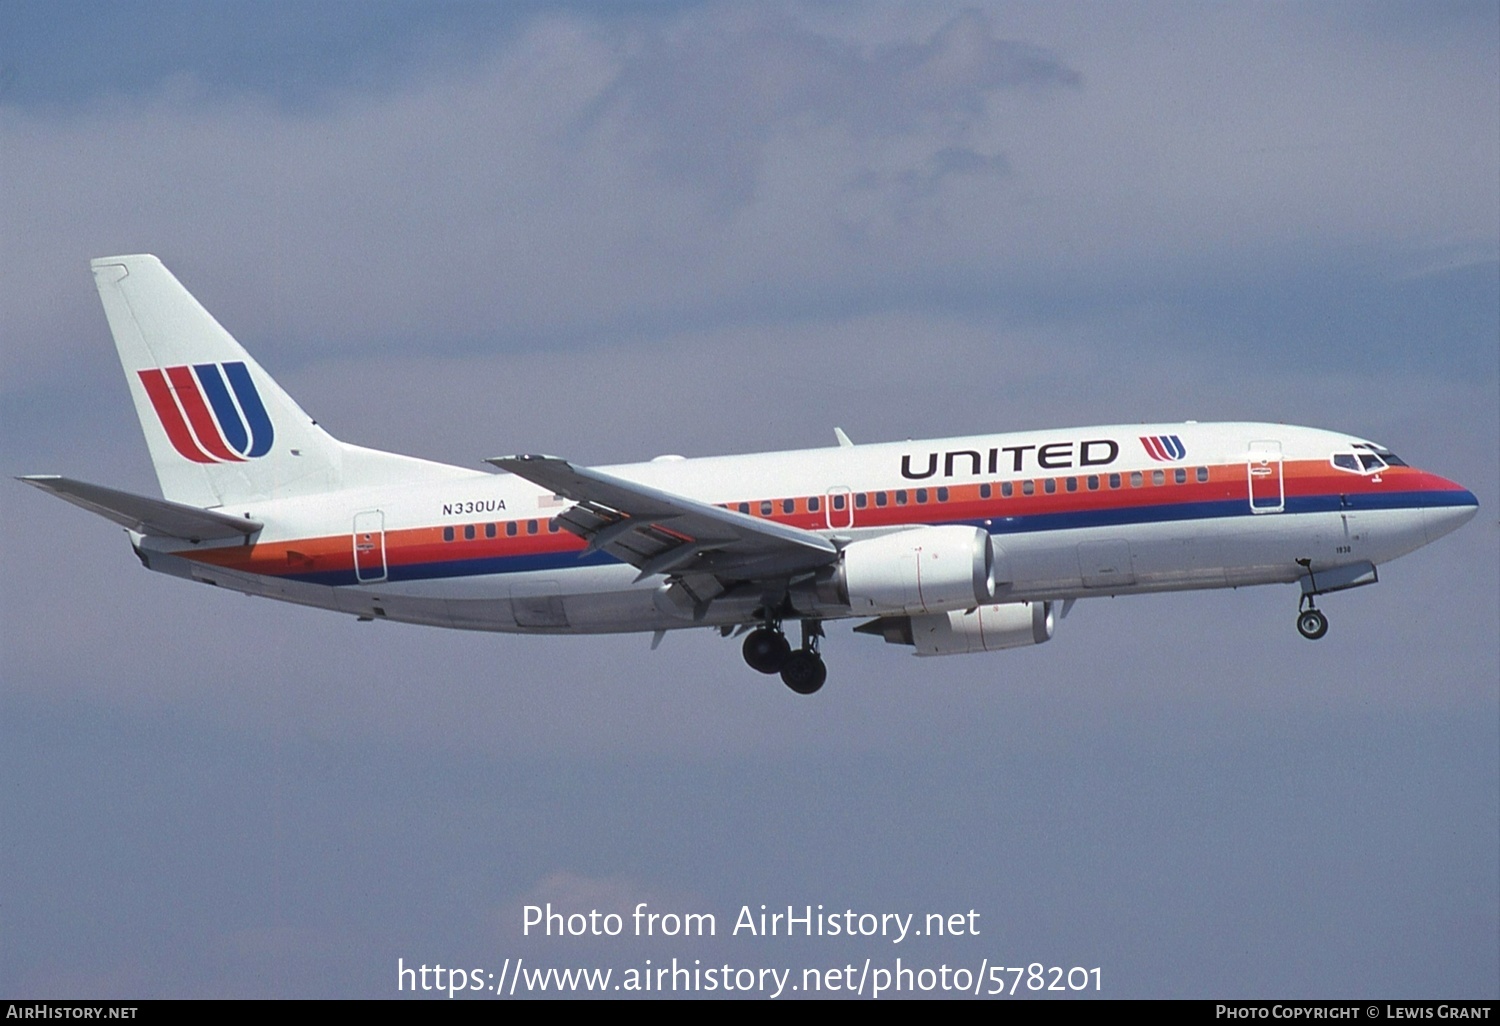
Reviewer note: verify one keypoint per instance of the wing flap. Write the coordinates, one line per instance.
(146, 515)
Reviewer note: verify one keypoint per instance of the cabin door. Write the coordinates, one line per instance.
(369, 546)
(1267, 488)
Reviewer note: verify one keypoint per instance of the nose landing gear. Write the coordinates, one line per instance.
(1311, 623)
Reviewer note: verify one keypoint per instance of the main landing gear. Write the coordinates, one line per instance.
(767, 650)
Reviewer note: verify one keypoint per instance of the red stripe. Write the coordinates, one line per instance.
(201, 420)
(171, 417)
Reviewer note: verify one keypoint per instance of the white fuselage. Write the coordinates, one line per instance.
(1069, 513)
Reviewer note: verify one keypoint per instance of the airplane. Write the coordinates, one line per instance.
(959, 545)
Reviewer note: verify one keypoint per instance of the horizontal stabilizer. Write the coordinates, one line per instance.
(146, 515)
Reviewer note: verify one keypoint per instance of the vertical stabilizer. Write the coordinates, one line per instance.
(220, 430)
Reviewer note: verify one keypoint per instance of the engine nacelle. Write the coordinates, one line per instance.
(987, 628)
(926, 570)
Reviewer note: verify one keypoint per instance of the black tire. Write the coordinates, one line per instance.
(1312, 624)
(766, 650)
(804, 672)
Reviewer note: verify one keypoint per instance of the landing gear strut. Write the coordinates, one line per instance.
(804, 671)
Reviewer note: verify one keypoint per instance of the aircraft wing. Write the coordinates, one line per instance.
(144, 514)
(663, 533)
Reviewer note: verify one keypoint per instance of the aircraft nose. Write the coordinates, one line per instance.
(1455, 509)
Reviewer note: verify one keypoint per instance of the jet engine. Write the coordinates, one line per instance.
(926, 570)
(986, 628)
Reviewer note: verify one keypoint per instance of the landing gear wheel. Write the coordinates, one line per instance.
(1312, 624)
(766, 650)
(804, 672)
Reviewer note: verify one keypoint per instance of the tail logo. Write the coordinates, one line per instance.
(210, 411)
(1164, 448)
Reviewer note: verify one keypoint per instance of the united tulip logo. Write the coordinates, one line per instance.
(210, 411)
(1164, 448)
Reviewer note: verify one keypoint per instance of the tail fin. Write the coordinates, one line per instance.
(220, 430)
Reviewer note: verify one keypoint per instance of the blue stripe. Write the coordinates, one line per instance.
(1411, 500)
(475, 567)
(255, 412)
(1179, 511)
(230, 423)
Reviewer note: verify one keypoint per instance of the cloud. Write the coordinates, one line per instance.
(582, 180)
(712, 91)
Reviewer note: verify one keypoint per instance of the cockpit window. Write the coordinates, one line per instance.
(1365, 459)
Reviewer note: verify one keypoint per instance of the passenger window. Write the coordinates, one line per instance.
(921, 495)
(1072, 484)
(1007, 489)
(861, 501)
(1180, 475)
(838, 500)
(1093, 482)
(881, 498)
(901, 496)
(1158, 477)
(1135, 479)
(813, 504)
(765, 507)
(489, 530)
(942, 495)
(1050, 485)
(447, 534)
(468, 532)
(985, 491)
(510, 528)
(788, 505)
(552, 527)
(531, 527)
(1028, 487)
(1202, 475)
(744, 507)
(1114, 480)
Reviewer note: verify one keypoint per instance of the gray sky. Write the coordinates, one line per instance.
(612, 231)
